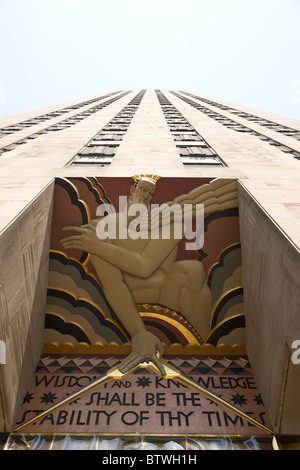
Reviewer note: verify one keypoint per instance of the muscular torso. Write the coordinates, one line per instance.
(143, 290)
(148, 290)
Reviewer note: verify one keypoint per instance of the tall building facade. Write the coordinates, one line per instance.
(225, 311)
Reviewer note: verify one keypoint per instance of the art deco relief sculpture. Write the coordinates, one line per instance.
(143, 267)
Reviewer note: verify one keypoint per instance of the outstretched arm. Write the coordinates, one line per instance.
(144, 344)
(137, 264)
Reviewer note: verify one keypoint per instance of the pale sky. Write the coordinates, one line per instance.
(243, 51)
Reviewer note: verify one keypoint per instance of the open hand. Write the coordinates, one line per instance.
(87, 239)
(144, 345)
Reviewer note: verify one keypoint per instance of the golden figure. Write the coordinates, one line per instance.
(146, 270)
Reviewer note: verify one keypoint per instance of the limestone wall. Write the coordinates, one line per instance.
(24, 252)
(272, 298)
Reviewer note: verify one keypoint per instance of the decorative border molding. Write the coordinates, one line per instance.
(124, 349)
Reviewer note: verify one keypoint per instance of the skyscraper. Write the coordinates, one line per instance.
(60, 320)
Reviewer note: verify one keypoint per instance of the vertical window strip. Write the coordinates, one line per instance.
(103, 146)
(44, 117)
(192, 147)
(64, 123)
(236, 126)
(288, 131)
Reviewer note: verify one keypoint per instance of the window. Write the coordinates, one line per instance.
(194, 160)
(100, 160)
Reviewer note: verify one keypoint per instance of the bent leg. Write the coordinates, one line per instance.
(144, 344)
(186, 291)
